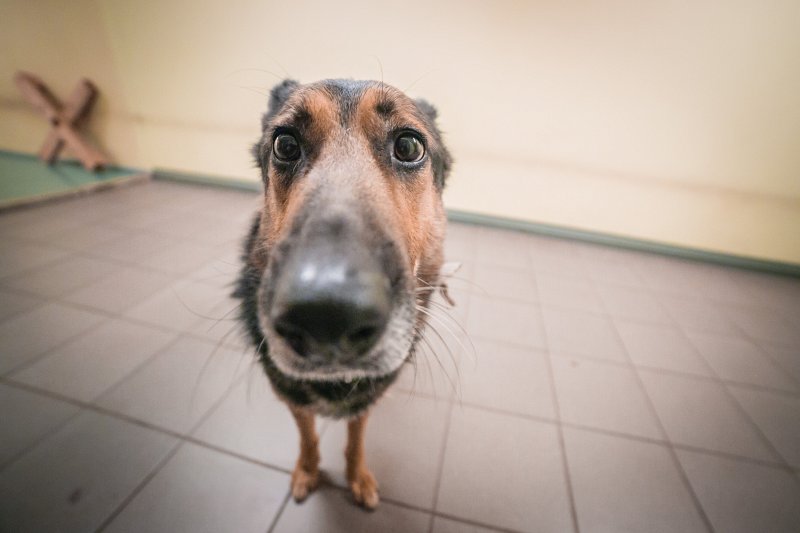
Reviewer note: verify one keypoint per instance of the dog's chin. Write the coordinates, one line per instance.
(385, 358)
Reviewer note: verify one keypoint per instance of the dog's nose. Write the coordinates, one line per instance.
(332, 310)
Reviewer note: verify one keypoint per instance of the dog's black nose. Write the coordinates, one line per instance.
(331, 310)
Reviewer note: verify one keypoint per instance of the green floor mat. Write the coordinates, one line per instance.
(24, 179)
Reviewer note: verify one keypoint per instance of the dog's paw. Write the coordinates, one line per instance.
(365, 489)
(303, 483)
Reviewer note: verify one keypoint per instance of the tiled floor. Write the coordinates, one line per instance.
(596, 390)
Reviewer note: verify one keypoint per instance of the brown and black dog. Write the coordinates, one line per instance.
(341, 262)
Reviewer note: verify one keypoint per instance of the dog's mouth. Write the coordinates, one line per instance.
(319, 361)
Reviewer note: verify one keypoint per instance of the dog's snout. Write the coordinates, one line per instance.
(331, 309)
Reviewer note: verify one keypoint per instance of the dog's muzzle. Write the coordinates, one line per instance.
(331, 302)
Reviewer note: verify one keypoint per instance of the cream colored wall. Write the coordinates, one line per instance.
(672, 121)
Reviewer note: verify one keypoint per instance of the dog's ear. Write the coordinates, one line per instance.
(441, 159)
(427, 108)
(277, 98)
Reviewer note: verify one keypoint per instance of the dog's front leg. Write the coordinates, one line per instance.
(362, 483)
(305, 477)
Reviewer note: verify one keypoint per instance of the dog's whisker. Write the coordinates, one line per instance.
(432, 352)
(237, 71)
(454, 384)
(444, 325)
(446, 314)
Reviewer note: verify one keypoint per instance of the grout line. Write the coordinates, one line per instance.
(557, 408)
(126, 418)
(738, 407)
(275, 519)
(446, 434)
(758, 344)
(713, 378)
(139, 487)
(440, 467)
(42, 355)
(160, 465)
(670, 449)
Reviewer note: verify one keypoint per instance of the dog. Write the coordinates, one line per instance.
(340, 264)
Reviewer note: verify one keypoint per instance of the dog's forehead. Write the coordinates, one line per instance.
(344, 104)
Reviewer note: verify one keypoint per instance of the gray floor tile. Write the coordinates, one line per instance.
(501, 247)
(62, 276)
(725, 285)
(504, 282)
(87, 237)
(14, 303)
(786, 357)
(508, 378)
(603, 396)
(135, 248)
(582, 334)
(177, 387)
(403, 443)
(200, 490)
(635, 304)
(331, 510)
(505, 471)
(200, 228)
(765, 325)
(87, 366)
(627, 485)
(77, 477)
(187, 306)
(23, 257)
(672, 276)
(445, 525)
(26, 336)
(459, 244)
(664, 347)
(181, 258)
(619, 271)
(778, 416)
(27, 417)
(220, 323)
(142, 217)
(567, 293)
(505, 320)
(120, 291)
(221, 270)
(742, 497)
(695, 314)
(740, 361)
(557, 257)
(699, 413)
(251, 421)
(777, 292)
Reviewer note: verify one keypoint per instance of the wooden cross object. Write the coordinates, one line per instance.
(64, 119)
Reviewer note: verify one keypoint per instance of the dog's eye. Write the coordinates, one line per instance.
(408, 148)
(285, 147)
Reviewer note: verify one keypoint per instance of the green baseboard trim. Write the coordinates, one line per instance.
(33, 157)
(639, 245)
(748, 263)
(26, 180)
(208, 180)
